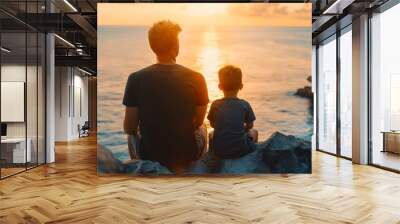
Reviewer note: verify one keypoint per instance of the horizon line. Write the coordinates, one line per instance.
(195, 25)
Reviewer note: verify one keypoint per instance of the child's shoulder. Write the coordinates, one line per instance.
(230, 100)
(217, 102)
(243, 102)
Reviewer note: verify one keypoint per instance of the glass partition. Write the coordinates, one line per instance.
(14, 153)
(327, 95)
(346, 93)
(41, 97)
(385, 89)
(22, 88)
(31, 97)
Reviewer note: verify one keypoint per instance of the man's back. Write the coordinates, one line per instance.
(166, 97)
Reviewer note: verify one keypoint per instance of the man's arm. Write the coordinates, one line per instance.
(201, 101)
(131, 121)
(200, 115)
(250, 117)
(212, 124)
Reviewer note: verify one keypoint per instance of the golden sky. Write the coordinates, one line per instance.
(236, 14)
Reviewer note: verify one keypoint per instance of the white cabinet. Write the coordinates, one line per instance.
(17, 148)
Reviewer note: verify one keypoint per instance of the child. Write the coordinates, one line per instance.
(232, 118)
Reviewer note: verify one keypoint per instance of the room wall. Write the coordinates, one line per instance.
(62, 81)
(80, 118)
(69, 113)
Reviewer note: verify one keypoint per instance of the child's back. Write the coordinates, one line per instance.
(228, 116)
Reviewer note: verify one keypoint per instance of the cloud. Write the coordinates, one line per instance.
(259, 10)
(274, 13)
(304, 12)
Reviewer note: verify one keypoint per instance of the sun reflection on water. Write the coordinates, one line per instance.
(209, 61)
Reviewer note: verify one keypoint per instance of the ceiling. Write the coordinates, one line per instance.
(332, 15)
(74, 22)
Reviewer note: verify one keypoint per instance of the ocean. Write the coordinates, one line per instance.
(275, 62)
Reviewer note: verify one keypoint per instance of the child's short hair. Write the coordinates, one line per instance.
(230, 78)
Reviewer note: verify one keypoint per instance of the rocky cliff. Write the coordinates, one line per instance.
(278, 154)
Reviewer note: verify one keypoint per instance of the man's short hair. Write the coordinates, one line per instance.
(230, 78)
(163, 36)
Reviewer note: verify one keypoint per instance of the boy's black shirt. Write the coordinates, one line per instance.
(230, 139)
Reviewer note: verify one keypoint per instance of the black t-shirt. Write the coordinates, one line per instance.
(166, 97)
(228, 116)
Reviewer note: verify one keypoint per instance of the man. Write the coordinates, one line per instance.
(167, 102)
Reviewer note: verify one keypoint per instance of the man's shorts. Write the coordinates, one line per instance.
(200, 135)
(201, 140)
